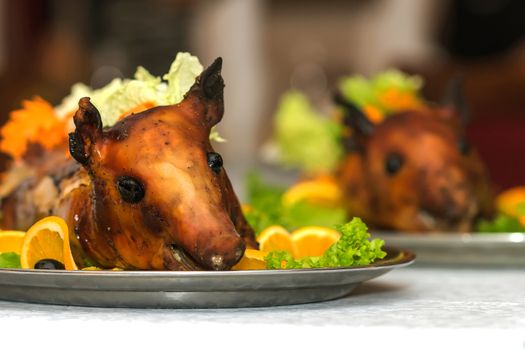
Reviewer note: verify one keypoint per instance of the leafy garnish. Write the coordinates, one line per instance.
(501, 223)
(41, 123)
(305, 139)
(9, 260)
(264, 201)
(385, 93)
(266, 209)
(352, 249)
(122, 95)
(309, 140)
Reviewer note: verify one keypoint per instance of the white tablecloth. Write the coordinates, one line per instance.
(413, 307)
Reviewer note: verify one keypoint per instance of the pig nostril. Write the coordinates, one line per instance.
(217, 262)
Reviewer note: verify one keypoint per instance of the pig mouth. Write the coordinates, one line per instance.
(458, 223)
(184, 259)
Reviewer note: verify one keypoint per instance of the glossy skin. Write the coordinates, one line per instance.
(187, 218)
(415, 173)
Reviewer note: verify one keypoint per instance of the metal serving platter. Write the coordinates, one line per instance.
(469, 249)
(192, 289)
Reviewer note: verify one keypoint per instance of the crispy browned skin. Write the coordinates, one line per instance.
(440, 186)
(189, 217)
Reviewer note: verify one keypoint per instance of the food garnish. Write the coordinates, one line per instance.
(305, 138)
(49, 264)
(9, 260)
(322, 190)
(312, 241)
(385, 93)
(252, 259)
(41, 123)
(511, 213)
(11, 241)
(275, 238)
(10, 247)
(47, 239)
(267, 206)
(353, 248)
(37, 122)
(311, 140)
(313, 247)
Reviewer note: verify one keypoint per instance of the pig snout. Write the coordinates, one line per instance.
(221, 250)
(447, 200)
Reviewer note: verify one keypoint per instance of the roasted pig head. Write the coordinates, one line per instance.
(415, 171)
(159, 197)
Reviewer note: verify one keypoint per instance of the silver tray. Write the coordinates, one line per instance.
(192, 289)
(472, 249)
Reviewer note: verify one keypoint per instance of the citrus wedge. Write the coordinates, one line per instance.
(312, 240)
(253, 259)
(47, 239)
(323, 190)
(274, 238)
(508, 201)
(11, 241)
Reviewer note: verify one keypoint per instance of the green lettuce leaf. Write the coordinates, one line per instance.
(120, 96)
(9, 260)
(265, 203)
(358, 90)
(361, 91)
(267, 209)
(181, 76)
(354, 248)
(501, 223)
(306, 139)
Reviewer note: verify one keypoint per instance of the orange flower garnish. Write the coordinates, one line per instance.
(36, 122)
(395, 100)
(373, 113)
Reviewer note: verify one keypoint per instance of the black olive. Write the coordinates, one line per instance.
(463, 146)
(393, 163)
(131, 190)
(49, 264)
(215, 161)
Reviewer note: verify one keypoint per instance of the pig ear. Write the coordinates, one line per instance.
(209, 91)
(454, 99)
(87, 133)
(354, 117)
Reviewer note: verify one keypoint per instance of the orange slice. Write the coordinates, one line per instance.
(11, 241)
(312, 240)
(274, 238)
(47, 239)
(508, 201)
(323, 190)
(253, 259)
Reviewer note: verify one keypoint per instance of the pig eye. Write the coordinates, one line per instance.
(393, 163)
(215, 161)
(130, 189)
(463, 146)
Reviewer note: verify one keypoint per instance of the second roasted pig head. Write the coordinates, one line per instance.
(415, 170)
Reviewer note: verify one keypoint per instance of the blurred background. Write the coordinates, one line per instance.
(270, 46)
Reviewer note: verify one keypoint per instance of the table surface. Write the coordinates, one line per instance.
(487, 303)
